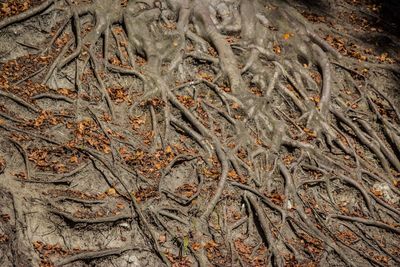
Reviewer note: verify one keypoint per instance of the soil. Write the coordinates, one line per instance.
(199, 133)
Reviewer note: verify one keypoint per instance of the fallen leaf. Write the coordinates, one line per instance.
(162, 238)
(73, 159)
(111, 192)
(287, 35)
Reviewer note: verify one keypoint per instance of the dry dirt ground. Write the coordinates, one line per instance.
(199, 133)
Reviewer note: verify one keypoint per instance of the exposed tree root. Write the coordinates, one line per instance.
(90, 255)
(108, 219)
(26, 15)
(233, 126)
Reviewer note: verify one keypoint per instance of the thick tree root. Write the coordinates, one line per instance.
(235, 133)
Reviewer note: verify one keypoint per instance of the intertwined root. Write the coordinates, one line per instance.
(271, 150)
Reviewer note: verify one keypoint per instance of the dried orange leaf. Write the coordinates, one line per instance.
(111, 192)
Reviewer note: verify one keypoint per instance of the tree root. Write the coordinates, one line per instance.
(20, 101)
(26, 15)
(284, 146)
(90, 255)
